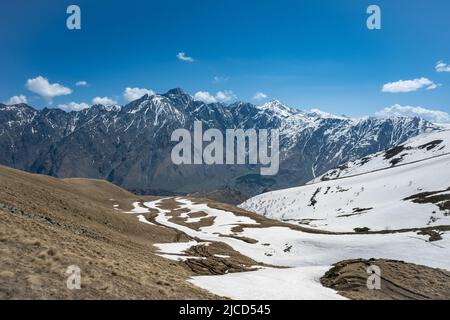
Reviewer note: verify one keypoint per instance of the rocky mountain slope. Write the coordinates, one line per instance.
(130, 145)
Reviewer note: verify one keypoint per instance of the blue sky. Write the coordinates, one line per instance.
(308, 54)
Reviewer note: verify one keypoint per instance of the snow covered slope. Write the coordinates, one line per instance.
(418, 148)
(414, 192)
(304, 256)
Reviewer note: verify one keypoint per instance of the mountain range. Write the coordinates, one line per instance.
(130, 145)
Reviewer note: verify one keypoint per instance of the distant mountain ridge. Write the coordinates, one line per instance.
(130, 145)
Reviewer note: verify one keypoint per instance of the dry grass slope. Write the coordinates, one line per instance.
(48, 224)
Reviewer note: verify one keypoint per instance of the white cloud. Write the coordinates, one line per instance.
(260, 96)
(104, 101)
(48, 91)
(81, 83)
(73, 106)
(221, 96)
(397, 110)
(17, 100)
(219, 79)
(409, 85)
(183, 57)
(441, 66)
(131, 94)
(225, 96)
(205, 97)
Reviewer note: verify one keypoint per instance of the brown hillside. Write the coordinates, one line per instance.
(48, 224)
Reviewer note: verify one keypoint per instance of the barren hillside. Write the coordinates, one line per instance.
(49, 224)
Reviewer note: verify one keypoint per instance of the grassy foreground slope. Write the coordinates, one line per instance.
(48, 224)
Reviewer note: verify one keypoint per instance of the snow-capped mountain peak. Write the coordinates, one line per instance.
(131, 145)
(277, 108)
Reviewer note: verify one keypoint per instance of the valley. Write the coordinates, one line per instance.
(177, 248)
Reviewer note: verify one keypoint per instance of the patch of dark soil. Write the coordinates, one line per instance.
(341, 189)
(313, 201)
(363, 161)
(210, 264)
(433, 234)
(356, 212)
(389, 154)
(431, 145)
(396, 161)
(439, 198)
(399, 280)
